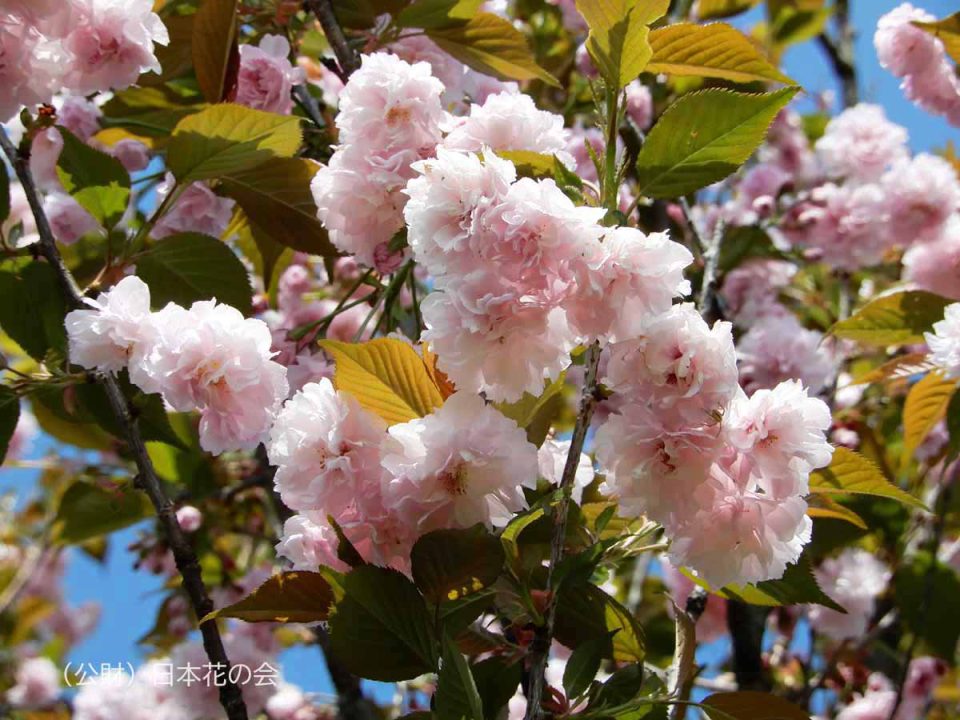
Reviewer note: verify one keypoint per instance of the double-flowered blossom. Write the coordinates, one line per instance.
(920, 59)
(390, 117)
(208, 358)
(777, 348)
(197, 209)
(860, 143)
(855, 579)
(266, 76)
(944, 342)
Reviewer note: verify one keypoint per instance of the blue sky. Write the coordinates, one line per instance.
(130, 599)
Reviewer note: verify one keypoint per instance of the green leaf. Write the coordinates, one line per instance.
(704, 137)
(536, 414)
(276, 197)
(451, 564)
(32, 308)
(897, 319)
(265, 253)
(714, 9)
(619, 36)
(457, 697)
(4, 193)
(947, 31)
(386, 376)
(751, 705)
(792, 25)
(214, 41)
(715, 51)
(290, 597)
(585, 612)
(850, 473)
(50, 407)
(925, 407)
(97, 181)
(932, 615)
(491, 45)
(623, 686)
(187, 267)
(510, 536)
(745, 242)
(496, 683)
(584, 662)
(381, 629)
(226, 139)
(88, 511)
(437, 13)
(9, 416)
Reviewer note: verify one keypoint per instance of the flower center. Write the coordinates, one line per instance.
(454, 479)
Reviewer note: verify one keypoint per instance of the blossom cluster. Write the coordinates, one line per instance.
(82, 46)
(207, 357)
(919, 58)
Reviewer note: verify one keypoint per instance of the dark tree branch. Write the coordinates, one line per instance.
(543, 638)
(840, 52)
(346, 55)
(746, 624)
(147, 479)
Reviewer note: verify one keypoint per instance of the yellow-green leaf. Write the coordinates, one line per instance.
(713, 9)
(948, 31)
(619, 35)
(290, 597)
(214, 39)
(926, 406)
(850, 473)
(898, 368)
(535, 413)
(276, 197)
(717, 51)
(704, 137)
(897, 319)
(491, 45)
(386, 376)
(225, 139)
(824, 506)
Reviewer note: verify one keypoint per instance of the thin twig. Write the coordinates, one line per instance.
(540, 648)
(147, 479)
(708, 304)
(347, 57)
(840, 53)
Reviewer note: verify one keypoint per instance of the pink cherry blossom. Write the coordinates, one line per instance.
(112, 43)
(935, 265)
(309, 541)
(115, 330)
(678, 361)
(552, 459)
(266, 77)
(639, 104)
(79, 116)
(782, 433)
(463, 464)
(37, 684)
(860, 143)
(511, 121)
(44, 154)
(29, 65)
(132, 154)
(903, 48)
(855, 579)
(325, 447)
(189, 518)
(788, 148)
(777, 348)
(750, 290)
(69, 221)
(197, 209)
(944, 342)
(627, 278)
(210, 358)
(921, 194)
(24, 434)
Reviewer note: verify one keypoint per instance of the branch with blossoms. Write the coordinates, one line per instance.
(541, 359)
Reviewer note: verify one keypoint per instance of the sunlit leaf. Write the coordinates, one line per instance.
(850, 473)
(925, 407)
(618, 42)
(226, 139)
(386, 376)
(704, 137)
(437, 13)
(898, 368)
(713, 9)
(717, 51)
(289, 597)
(823, 506)
(896, 319)
(491, 45)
